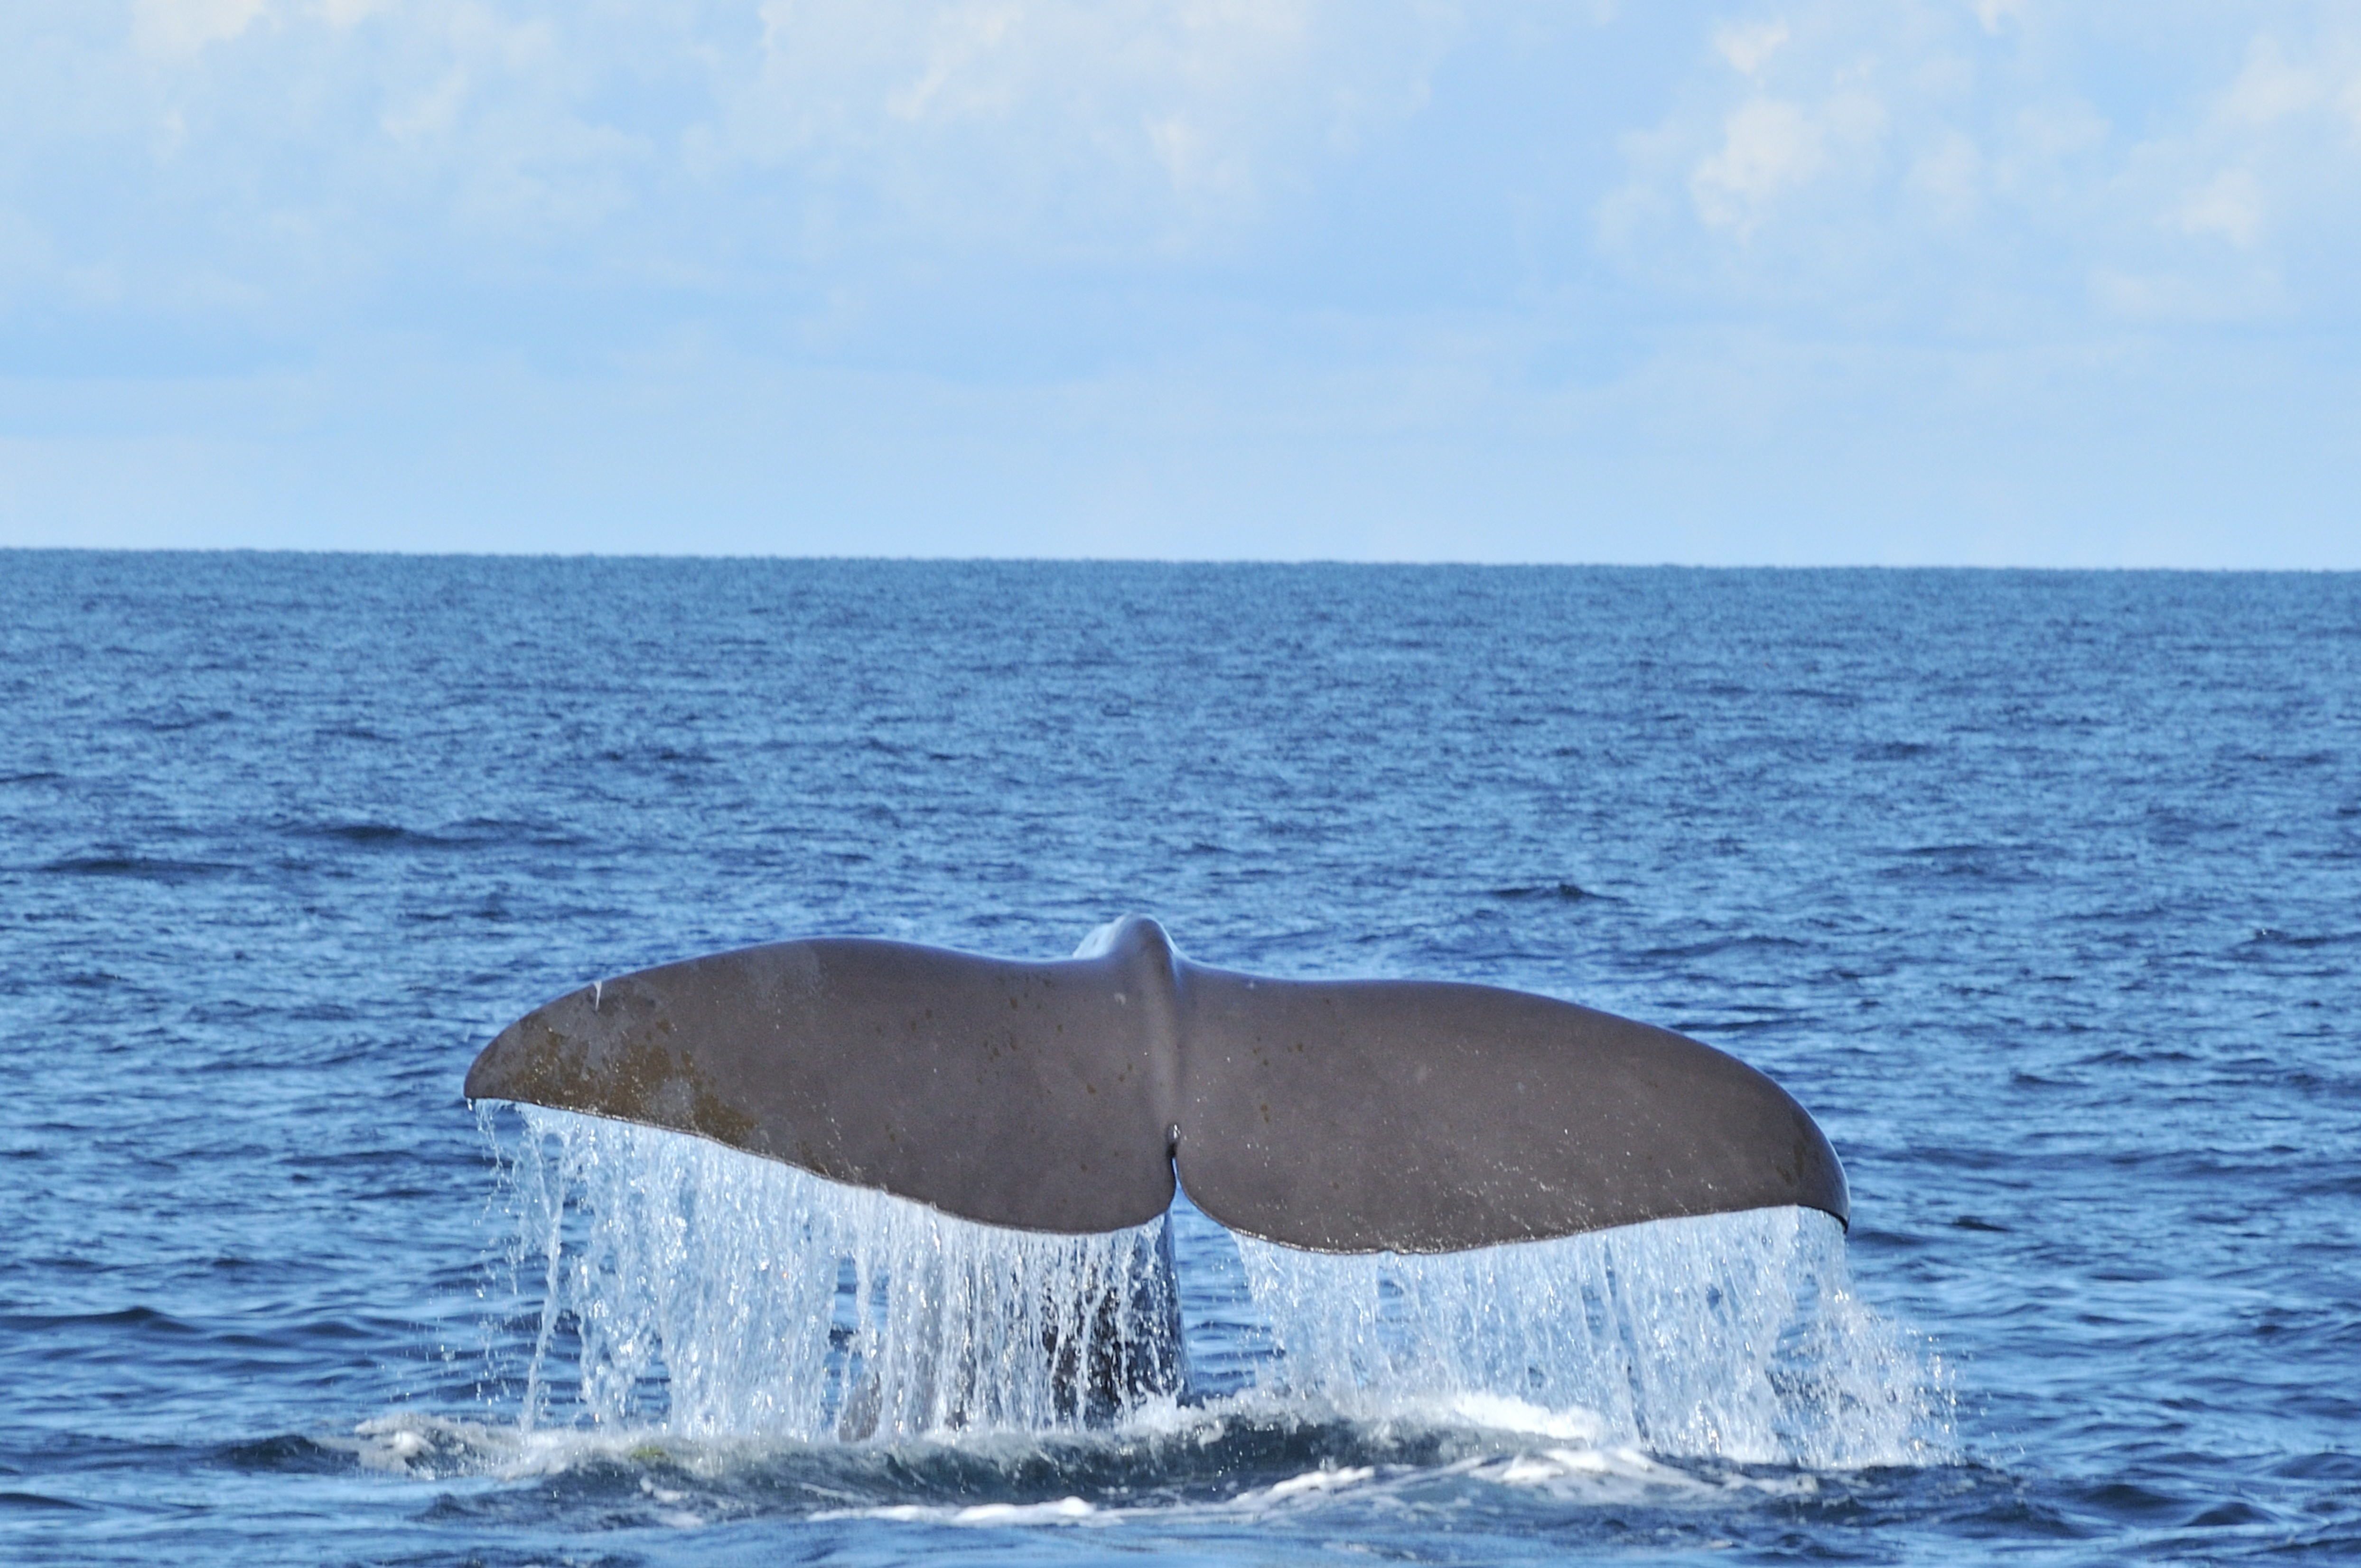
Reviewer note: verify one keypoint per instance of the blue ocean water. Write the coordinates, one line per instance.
(2042, 890)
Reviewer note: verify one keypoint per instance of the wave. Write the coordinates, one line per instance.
(138, 868)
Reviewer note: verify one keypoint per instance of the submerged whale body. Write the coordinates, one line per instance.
(1360, 1116)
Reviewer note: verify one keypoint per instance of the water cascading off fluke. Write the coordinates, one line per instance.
(689, 1290)
(713, 1295)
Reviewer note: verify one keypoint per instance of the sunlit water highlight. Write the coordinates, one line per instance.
(690, 1291)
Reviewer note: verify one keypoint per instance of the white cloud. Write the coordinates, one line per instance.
(433, 112)
(1768, 148)
(2269, 88)
(1943, 163)
(967, 73)
(1772, 147)
(1160, 126)
(184, 27)
(1833, 150)
(1038, 130)
(1993, 13)
(2169, 298)
(353, 13)
(2058, 127)
(1950, 176)
(1749, 49)
(2229, 205)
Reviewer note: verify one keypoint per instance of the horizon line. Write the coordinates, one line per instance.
(1399, 562)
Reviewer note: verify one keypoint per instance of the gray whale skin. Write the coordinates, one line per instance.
(1357, 1115)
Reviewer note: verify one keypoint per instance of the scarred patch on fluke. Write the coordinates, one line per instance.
(1334, 1115)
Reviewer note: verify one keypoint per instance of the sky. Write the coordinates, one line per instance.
(2010, 282)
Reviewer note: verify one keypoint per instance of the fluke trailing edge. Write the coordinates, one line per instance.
(1336, 1115)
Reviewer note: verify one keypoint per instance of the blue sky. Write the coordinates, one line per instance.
(1973, 282)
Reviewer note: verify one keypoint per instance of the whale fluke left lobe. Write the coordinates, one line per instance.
(1019, 1094)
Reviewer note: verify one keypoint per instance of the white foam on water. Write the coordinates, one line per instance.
(693, 1292)
(1062, 1510)
(1501, 1412)
(1310, 1482)
(1729, 1337)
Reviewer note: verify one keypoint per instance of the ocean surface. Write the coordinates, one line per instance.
(2041, 890)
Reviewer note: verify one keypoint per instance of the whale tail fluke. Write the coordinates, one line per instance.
(1063, 1096)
